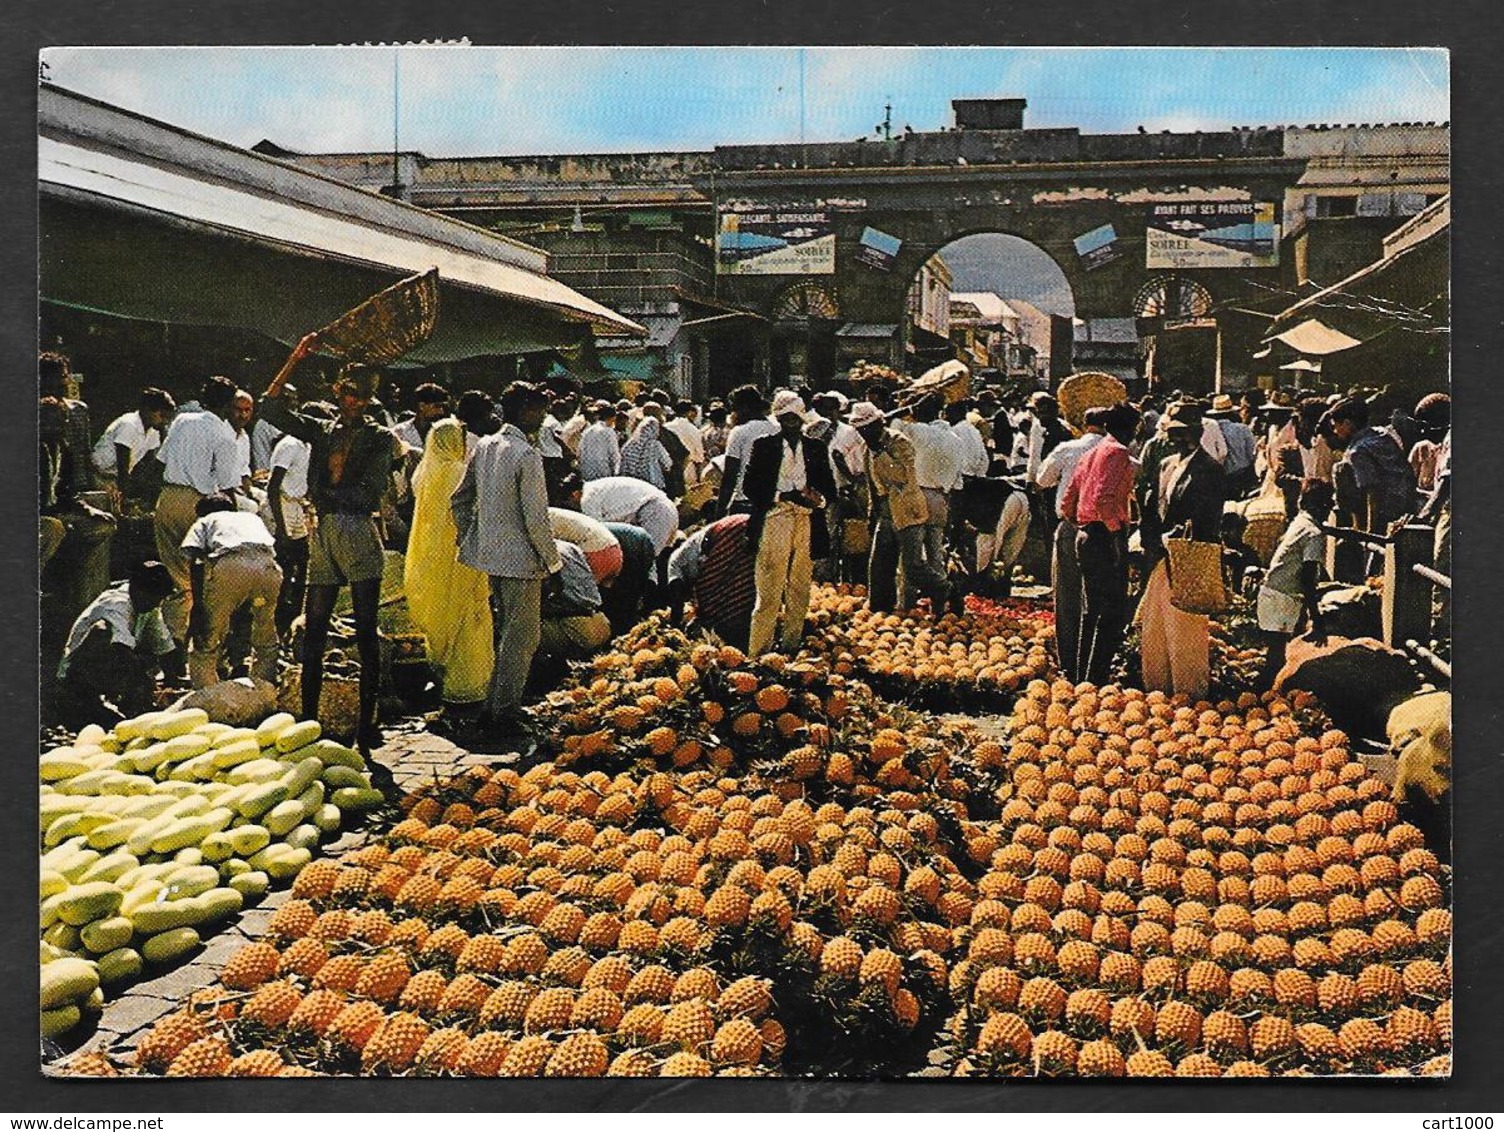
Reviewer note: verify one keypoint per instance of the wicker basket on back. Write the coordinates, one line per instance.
(387, 325)
(1089, 390)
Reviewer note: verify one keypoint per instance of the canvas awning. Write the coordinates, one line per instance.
(1315, 337)
(141, 220)
(1303, 364)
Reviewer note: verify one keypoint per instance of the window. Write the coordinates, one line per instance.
(1327, 206)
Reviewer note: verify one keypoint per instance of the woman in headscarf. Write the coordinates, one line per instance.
(644, 457)
(448, 601)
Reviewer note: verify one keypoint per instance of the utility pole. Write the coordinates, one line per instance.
(886, 126)
(396, 120)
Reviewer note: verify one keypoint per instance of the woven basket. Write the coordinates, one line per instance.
(339, 703)
(387, 325)
(1196, 576)
(1089, 390)
(951, 382)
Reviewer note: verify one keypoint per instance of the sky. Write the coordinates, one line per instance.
(479, 100)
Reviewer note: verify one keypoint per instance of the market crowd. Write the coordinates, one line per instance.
(537, 526)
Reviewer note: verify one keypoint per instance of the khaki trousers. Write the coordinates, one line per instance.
(574, 636)
(1176, 645)
(783, 573)
(241, 578)
(174, 515)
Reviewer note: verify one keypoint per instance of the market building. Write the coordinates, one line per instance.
(779, 260)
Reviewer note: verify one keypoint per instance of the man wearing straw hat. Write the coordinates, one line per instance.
(898, 513)
(349, 468)
(1184, 499)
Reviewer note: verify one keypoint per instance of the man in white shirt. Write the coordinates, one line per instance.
(975, 461)
(430, 403)
(264, 434)
(199, 457)
(130, 437)
(599, 446)
(288, 510)
(937, 467)
(240, 422)
(113, 650)
(627, 499)
(232, 566)
(1065, 568)
(752, 422)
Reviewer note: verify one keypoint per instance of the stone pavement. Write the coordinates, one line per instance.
(416, 758)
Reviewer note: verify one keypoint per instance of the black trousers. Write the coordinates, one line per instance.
(1103, 558)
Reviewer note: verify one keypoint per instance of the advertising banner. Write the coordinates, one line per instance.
(775, 239)
(878, 249)
(1212, 234)
(1098, 246)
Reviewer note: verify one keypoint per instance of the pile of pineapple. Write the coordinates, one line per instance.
(1198, 890)
(975, 659)
(757, 867)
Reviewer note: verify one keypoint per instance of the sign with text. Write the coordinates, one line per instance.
(1212, 234)
(775, 239)
(1098, 246)
(878, 249)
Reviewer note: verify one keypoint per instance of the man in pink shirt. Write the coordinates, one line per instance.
(1096, 502)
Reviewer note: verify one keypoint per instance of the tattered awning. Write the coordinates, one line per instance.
(142, 220)
(1315, 337)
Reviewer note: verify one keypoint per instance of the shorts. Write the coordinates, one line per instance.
(1279, 612)
(344, 548)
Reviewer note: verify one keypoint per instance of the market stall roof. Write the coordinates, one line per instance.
(1315, 337)
(1406, 288)
(867, 330)
(202, 219)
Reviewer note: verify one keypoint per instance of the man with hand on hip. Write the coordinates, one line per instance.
(787, 482)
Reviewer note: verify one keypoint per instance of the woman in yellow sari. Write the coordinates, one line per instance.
(449, 602)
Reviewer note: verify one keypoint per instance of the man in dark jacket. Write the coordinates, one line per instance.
(348, 473)
(787, 483)
(1184, 501)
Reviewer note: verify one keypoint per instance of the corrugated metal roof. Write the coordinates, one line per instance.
(867, 330)
(92, 150)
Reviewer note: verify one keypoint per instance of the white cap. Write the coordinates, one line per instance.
(864, 413)
(786, 402)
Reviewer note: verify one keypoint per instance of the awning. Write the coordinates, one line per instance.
(867, 330)
(142, 220)
(1315, 337)
(1303, 364)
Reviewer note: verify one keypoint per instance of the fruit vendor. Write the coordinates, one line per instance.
(627, 499)
(1289, 595)
(715, 566)
(113, 652)
(501, 519)
(787, 482)
(573, 625)
(897, 515)
(232, 566)
(349, 469)
(602, 549)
